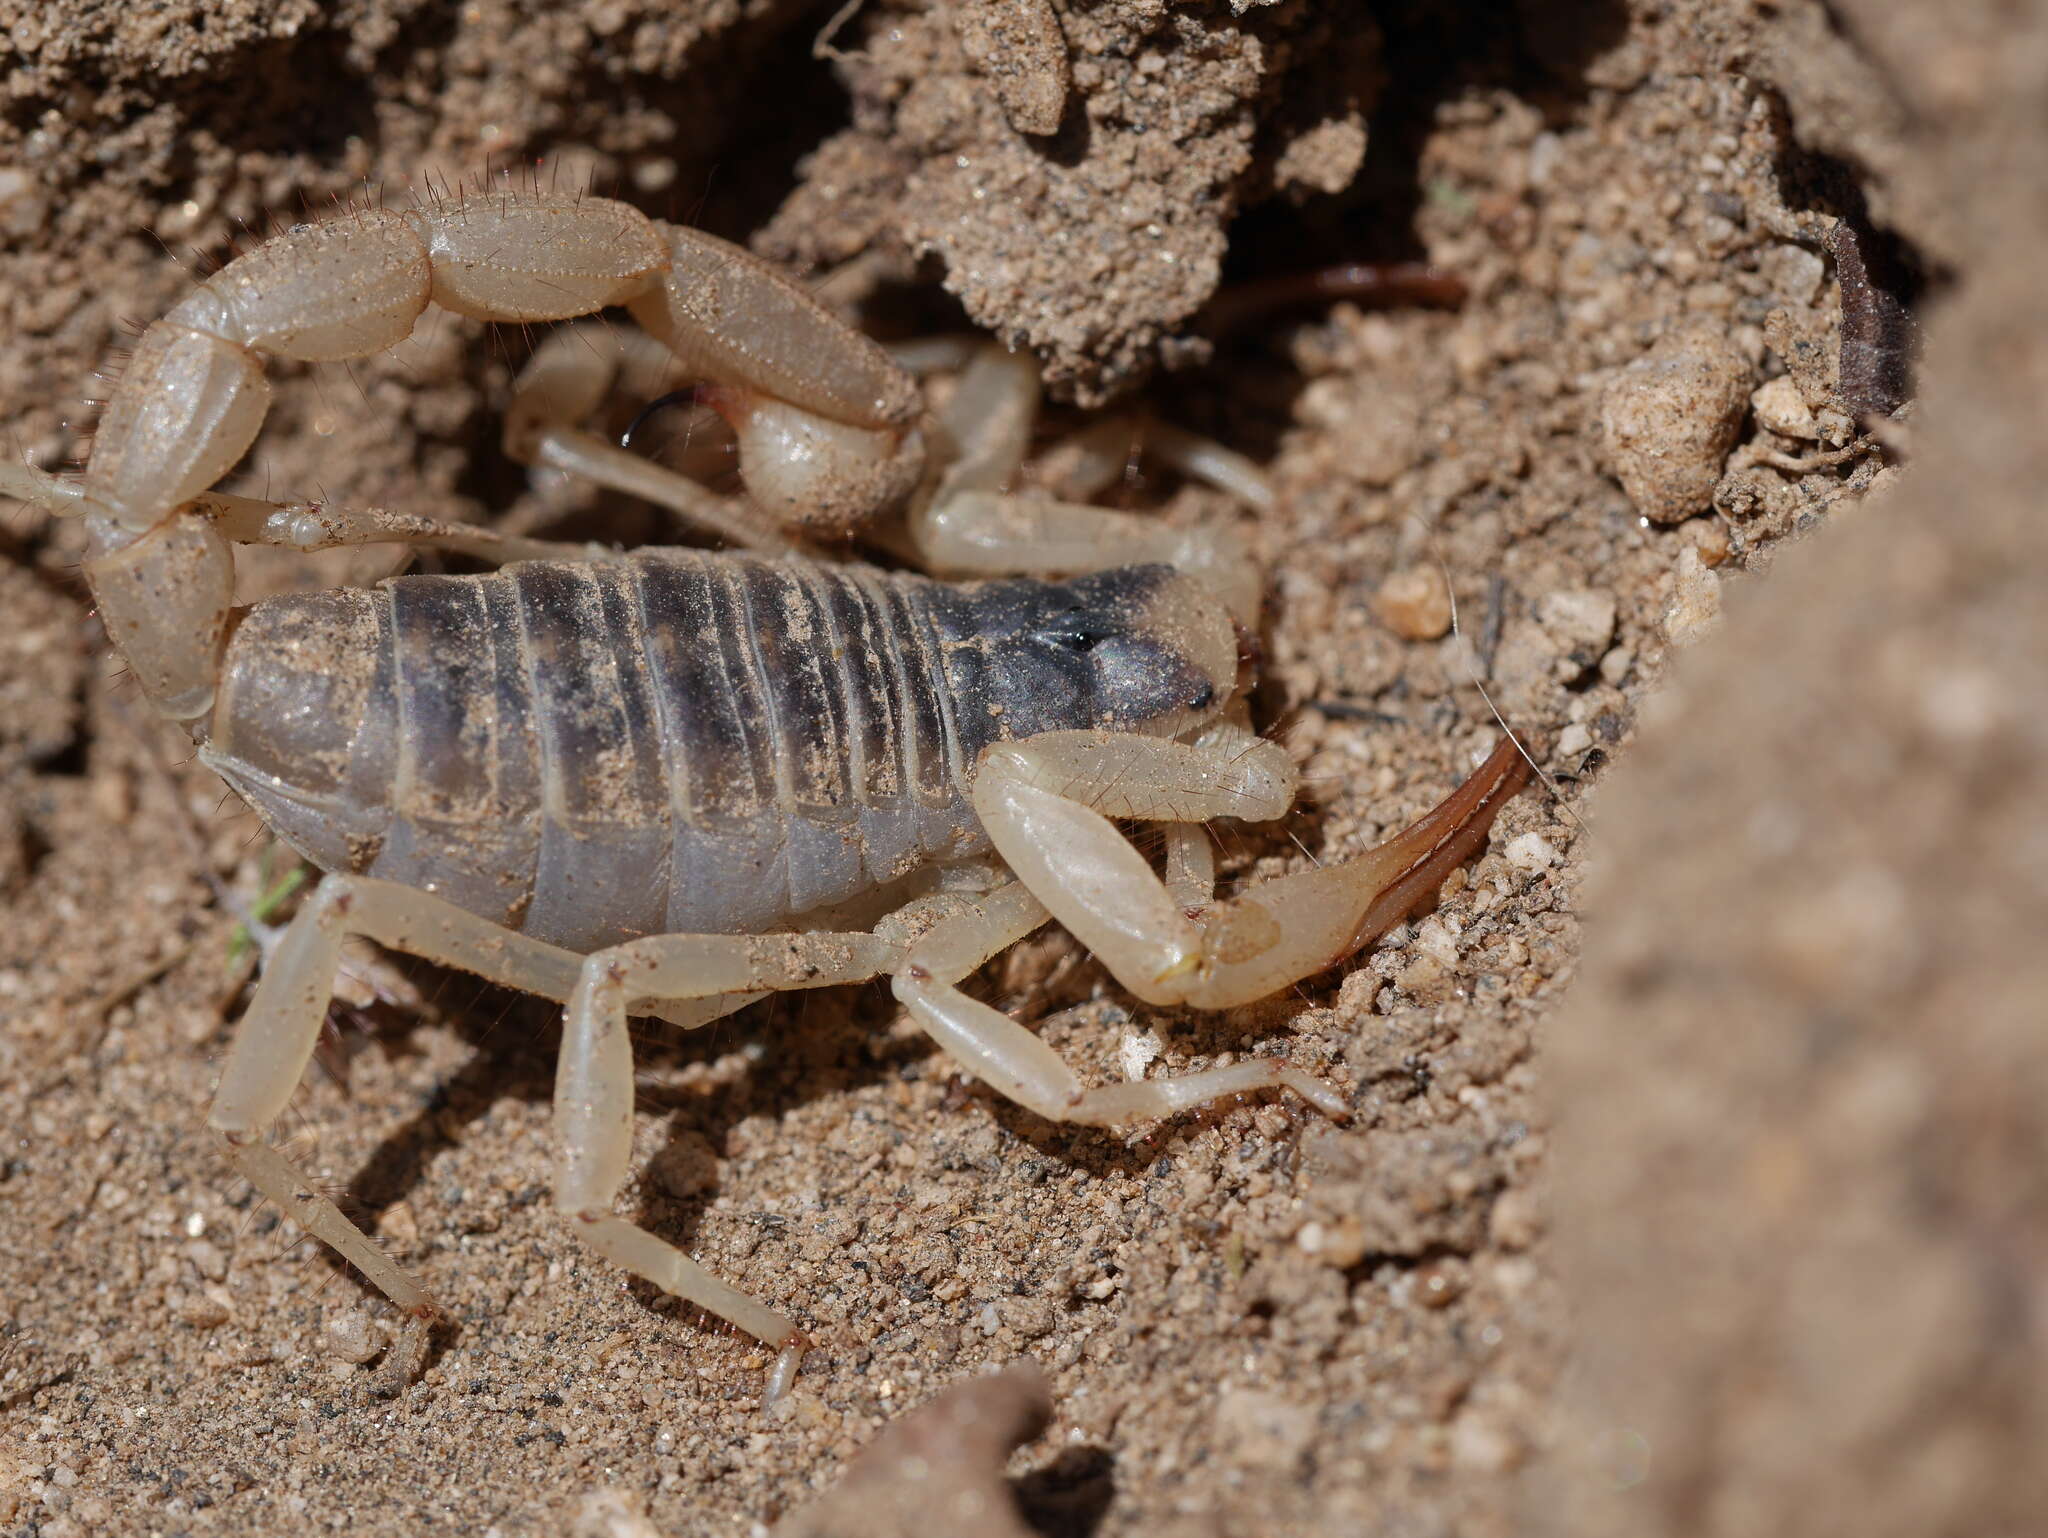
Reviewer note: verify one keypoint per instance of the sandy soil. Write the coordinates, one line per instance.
(1248, 1321)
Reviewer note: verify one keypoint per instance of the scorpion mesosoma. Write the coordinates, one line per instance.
(667, 781)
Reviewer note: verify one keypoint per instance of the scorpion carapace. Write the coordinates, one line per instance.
(670, 782)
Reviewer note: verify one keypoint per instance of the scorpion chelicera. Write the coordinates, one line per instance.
(670, 781)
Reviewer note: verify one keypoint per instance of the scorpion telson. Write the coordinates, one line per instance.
(669, 782)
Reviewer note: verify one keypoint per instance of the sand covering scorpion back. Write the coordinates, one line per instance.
(669, 781)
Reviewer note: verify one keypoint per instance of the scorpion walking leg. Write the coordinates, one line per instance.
(971, 527)
(1046, 803)
(594, 1085)
(275, 1039)
(1190, 864)
(307, 526)
(1015, 1063)
(594, 1080)
(566, 380)
(1096, 457)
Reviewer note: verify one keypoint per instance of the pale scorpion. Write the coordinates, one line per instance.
(669, 781)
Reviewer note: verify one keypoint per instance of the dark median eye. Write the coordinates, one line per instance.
(1075, 638)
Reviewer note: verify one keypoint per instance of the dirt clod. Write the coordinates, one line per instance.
(1670, 419)
(937, 1471)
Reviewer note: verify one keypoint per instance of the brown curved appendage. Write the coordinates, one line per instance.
(1299, 925)
(1440, 841)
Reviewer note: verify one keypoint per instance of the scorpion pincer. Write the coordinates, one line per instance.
(668, 781)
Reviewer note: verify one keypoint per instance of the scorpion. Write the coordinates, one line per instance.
(669, 781)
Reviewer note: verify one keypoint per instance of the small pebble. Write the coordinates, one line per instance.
(1710, 538)
(1516, 1221)
(1780, 408)
(207, 1259)
(613, 1513)
(349, 1337)
(687, 1166)
(1032, 1318)
(1264, 1430)
(1440, 1285)
(1425, 979)
(1572, 743)
(937, 1469)
(203, 1312)
(1481, 1446)
(654, 175)
(1437, 938)
(24, 210)
(1339, 1244)
(1137, 1051)
(1695, 606)
(1579, 619)
(1670, 419)
(1531, 852)
(1325, 159)
(1415, 603)
(1020, 46)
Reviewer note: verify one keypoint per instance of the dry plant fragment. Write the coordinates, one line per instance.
(1879, 335)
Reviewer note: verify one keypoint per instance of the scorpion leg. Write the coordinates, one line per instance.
(594, 1080)
(1190, 864)
(1047, 802)
(566, 380)
(970, 527)
(307, 526)
(1016, 1063)
(275, 1039)
(52, 493)
(1095, 458)
(987, 534)
(594, 1084)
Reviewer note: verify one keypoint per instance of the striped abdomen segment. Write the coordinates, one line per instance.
(588, 752)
